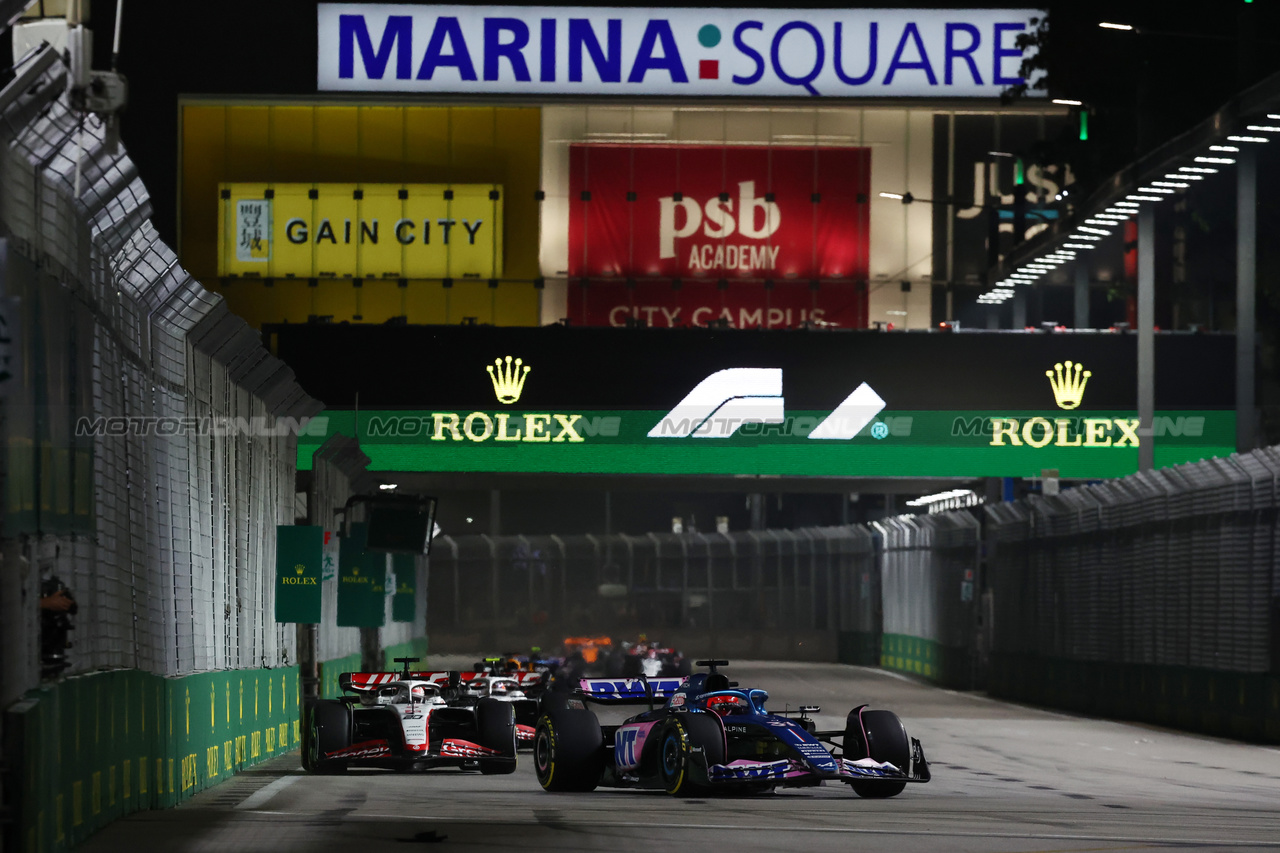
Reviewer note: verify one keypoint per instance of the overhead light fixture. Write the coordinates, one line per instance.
(1263, 128)
(1273, 116)
(1246, 139)
(999, 154)
(1107, 25)
(1136, 197)
(1085, 237)
(1079, 246)
(1067, 102)
(1223, 148)
(1113, 218)
(898, 196)
(1155, 190)
(1127, 204)
(388, 487)
(1185, 177)
(1094, 221)
(1226, 161)
(1089, 230)
(1203, 170)
(1169, 184)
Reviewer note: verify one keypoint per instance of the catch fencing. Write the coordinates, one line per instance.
(1154, 596)
(753, 590)
(163, 530)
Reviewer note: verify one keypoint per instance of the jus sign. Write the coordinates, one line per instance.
(695, 52)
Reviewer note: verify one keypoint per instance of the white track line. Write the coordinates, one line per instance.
(262, 795)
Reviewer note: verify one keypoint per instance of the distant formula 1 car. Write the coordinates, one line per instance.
(408, 721)
(714, 736)
(509, 688)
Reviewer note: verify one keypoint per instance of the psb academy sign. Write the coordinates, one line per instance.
(690, 52)
(641, 215)
(360, 230)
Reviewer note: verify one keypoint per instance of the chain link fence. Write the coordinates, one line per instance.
(711, 592)
(150, 441)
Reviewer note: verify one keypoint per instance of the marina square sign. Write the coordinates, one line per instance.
(829, 53)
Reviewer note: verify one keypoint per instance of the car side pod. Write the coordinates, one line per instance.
(567, 746)
(881, 736)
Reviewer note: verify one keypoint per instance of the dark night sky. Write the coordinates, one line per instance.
(1144, 88)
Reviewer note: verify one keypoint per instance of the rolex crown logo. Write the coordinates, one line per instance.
(1067, 380)
(508, 379)
(299, 568)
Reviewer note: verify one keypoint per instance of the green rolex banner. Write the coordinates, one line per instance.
(299, 555)
(404, 604)
(362, 579)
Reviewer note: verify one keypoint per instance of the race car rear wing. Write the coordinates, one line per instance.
(373, 680)
(620, 691)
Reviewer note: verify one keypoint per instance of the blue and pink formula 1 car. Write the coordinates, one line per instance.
(711, 735)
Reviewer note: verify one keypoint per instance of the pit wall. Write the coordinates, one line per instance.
(94, 748)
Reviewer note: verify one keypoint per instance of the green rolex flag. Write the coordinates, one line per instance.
(299, 555)
(362, 579)
(404, 604)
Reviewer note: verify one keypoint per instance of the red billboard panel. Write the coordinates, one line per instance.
(757, 236)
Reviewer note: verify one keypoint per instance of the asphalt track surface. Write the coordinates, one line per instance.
(1005, 778)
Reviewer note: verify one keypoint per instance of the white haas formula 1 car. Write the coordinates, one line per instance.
(512, 688)
(408, 721)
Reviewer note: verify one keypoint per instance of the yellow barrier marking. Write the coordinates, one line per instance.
(284, 735)
(142, 775)
(211, 762)
(255, 698)
(213, 707)
(188, 712)
(228, 701)
(270, 696)
(271, 738)
(242, 700)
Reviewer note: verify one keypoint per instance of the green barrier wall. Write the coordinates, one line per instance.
(1219, 703)
(329, 671)
(945, 665)
(93, 748)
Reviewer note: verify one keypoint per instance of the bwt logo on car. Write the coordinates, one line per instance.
(817, 52)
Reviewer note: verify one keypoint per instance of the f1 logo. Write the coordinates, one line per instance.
(724, 401)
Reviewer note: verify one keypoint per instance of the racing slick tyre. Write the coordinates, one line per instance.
(496, 722)
(675, 749)
(326, 728)
(567, 750)
(878, 735)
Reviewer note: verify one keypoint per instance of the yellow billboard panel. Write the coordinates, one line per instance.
(330, 230)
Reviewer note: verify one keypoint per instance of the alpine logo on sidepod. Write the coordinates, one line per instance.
(718, 405)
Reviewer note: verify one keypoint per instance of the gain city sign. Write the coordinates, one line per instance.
(830, 53)
(293, 230)
(766, 403)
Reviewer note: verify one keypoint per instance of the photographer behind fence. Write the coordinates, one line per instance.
(57, 606)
